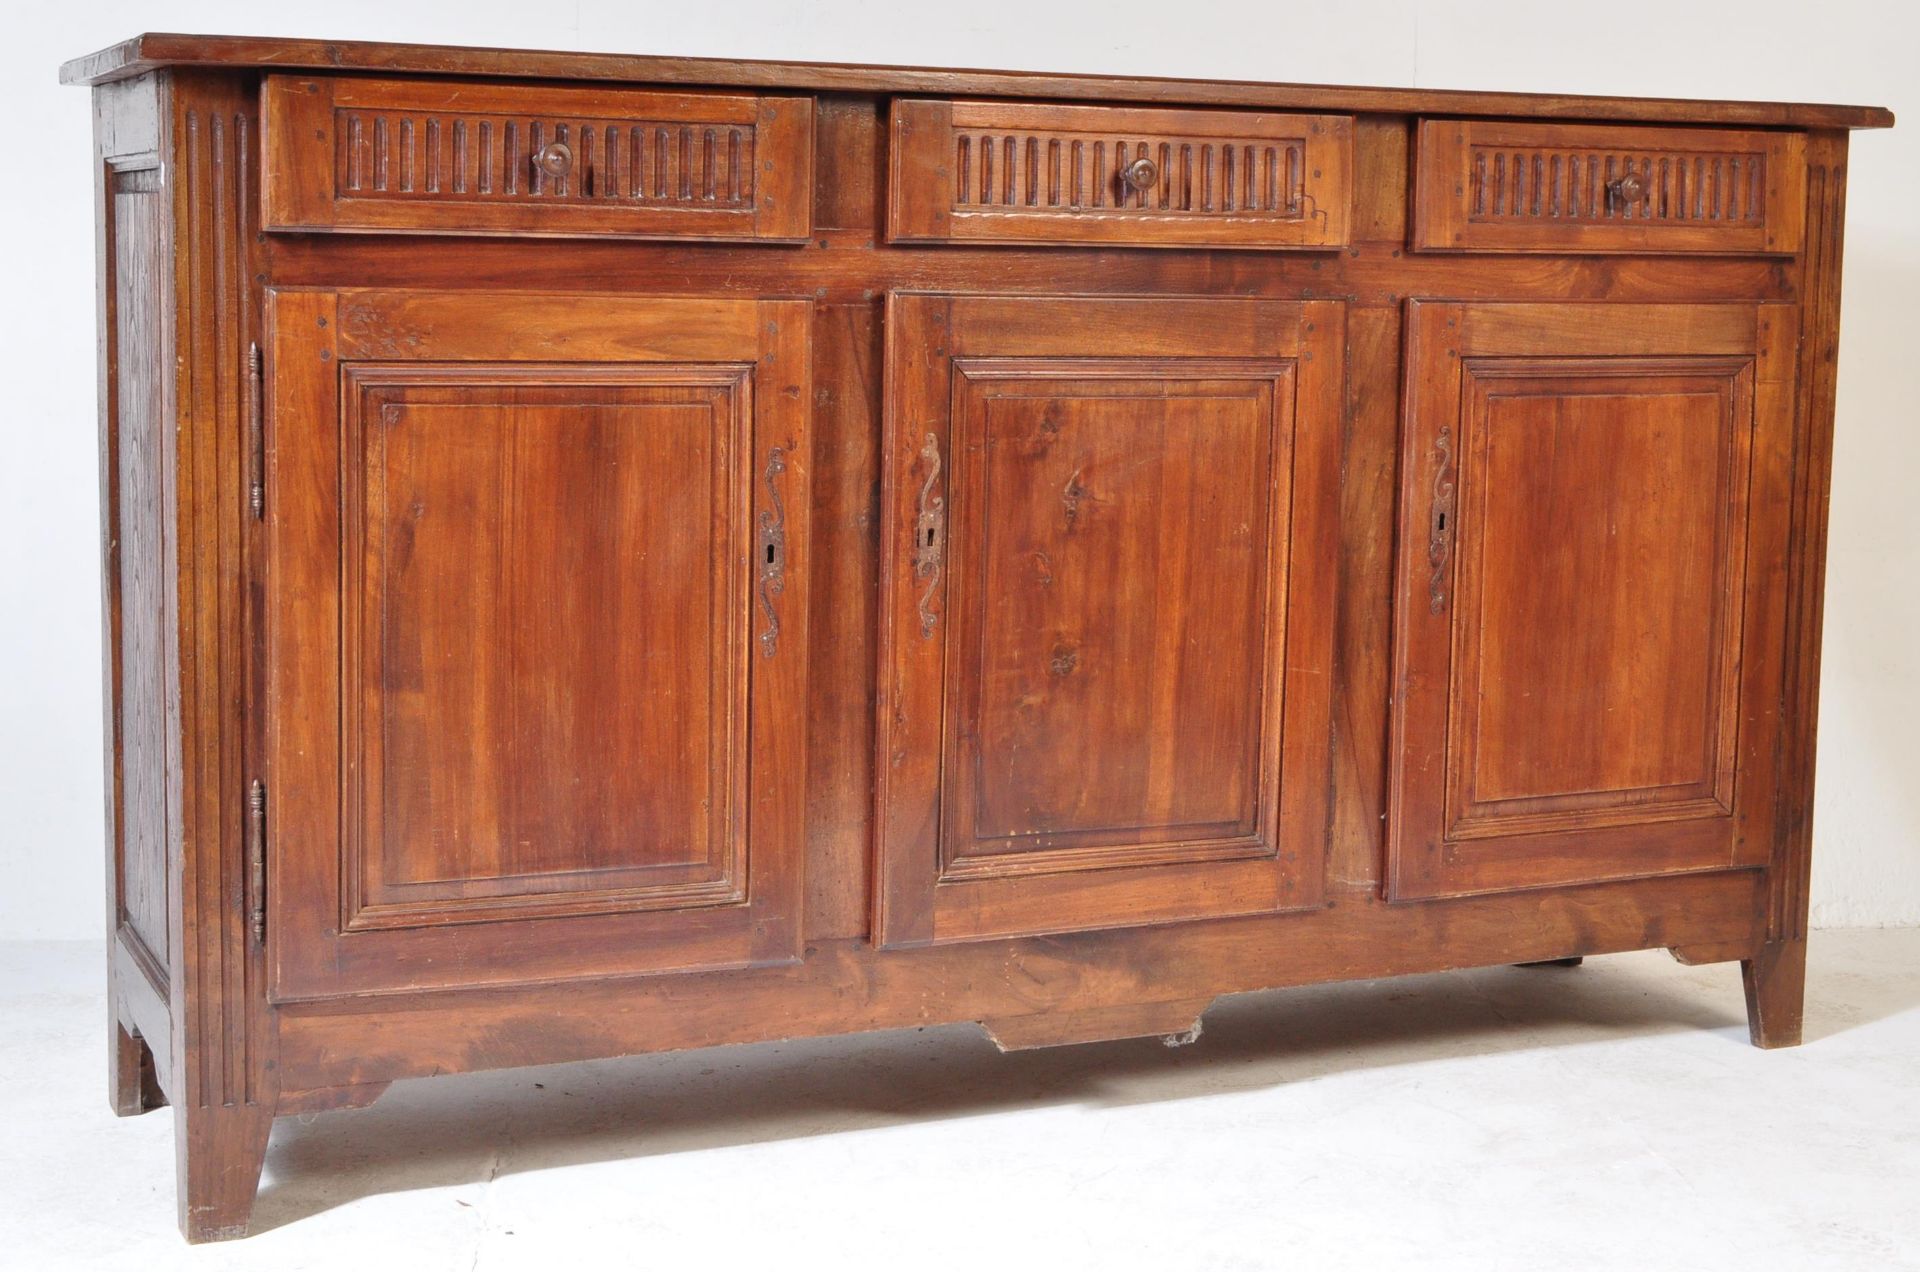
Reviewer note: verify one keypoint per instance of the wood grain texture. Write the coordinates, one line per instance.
(127, 127)
(1805, 565)
(592, 580)
(133, 1076)
(1525, 187)
(1032, 172)
(139, 1006)
(1553, 723)
(849, 135)
(1110, 529)
(546, 654)
(179, 161)
(536, 727)
(1110, 521)
(1635, 472)
(1364, 636)
(1776, 980)
(137, 541)
(840, 700)
(848, 986)
(848, 266)
(453, 157)
(148, 51)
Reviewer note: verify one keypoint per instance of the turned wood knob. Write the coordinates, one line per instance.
(555, 159)
(1628, 189)
(1141, 174)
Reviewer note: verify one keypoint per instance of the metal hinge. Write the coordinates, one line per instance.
(256, 438)
(257, 860)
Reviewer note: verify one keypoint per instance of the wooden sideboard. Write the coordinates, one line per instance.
(607, 554)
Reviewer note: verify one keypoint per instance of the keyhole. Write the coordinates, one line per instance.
(769, 554)
(1443, 521)
(930, 534)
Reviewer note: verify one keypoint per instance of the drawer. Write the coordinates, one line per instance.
(1026, 172)
(432, 156)
(1500, 187)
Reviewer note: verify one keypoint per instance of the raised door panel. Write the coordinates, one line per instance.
(1592, 528)
(143, 656)
(536, 622)
(1114, 588)
(528, 551)
(1107, 601)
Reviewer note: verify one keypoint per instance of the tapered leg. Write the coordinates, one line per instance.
(132, 1086)
(1776, 983)
(221, 1150)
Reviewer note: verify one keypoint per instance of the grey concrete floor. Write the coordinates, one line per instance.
(1611, 1116)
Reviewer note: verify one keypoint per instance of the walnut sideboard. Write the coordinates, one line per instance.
(606, 554)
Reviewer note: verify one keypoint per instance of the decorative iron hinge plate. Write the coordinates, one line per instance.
(256, 438)
(773, 551)
(930, 534)
(257, 860)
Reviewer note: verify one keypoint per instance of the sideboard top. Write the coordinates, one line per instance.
(147, 52)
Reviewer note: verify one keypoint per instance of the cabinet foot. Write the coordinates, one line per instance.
(132, 1085)
(1700, 955)
(1776, 981)
(1575, 961)
(221, 1151)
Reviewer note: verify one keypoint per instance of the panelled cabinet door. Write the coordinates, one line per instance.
(1108, 609)
(537, 632)
(1589, 617)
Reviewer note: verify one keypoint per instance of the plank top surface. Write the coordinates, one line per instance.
(147, 52)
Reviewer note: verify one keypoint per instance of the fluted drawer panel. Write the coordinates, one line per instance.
(1490, 186)
(452, 157)
(1024, 172)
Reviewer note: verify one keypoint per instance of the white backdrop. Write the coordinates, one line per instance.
(1868, 815)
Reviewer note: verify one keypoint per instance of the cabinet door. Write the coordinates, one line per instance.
(1589, 615)
(536, 636)
(1108, 607)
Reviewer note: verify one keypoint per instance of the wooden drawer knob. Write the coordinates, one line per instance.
(555, 159)
(1626, 191)
(1142, 174)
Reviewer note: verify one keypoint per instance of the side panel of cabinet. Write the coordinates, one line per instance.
(538, 636)
(1590, 622)
(1107, 599)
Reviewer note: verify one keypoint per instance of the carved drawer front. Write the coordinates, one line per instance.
(454, 157)
(1021, 172)
(1489, 186)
